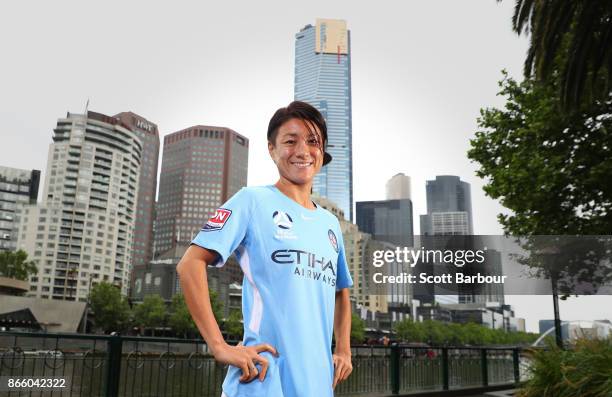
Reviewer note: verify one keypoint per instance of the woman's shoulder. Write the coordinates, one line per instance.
(255, 191)
(254, 194)
(330, 217)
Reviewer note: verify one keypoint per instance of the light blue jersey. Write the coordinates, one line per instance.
(293, 262)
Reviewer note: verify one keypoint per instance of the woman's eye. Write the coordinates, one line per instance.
(290, 142)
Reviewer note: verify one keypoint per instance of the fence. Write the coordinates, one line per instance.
(102, 365)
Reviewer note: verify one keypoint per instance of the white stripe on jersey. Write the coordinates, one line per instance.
(257, 309)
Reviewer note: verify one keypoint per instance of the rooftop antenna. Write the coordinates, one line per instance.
(86, 107)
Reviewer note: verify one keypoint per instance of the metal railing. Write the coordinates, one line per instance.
(102, 365)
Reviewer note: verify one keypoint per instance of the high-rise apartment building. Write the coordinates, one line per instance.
(17, 187)
(83, 230)
(323, 79)
(202, 167)
(148, 134)
(449, 207)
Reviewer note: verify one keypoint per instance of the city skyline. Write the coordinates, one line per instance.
(83, 228)
(419, 78)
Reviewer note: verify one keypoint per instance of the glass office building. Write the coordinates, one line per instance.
(449, 207)
(387, 220)
(323, 79)
(17, 187)
(202, 167)
(148, 133)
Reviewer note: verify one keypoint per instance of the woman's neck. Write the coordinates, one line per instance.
(298, 193)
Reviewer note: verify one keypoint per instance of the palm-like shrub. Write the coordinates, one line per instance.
(585, 370)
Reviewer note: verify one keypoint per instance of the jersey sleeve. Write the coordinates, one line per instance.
(343, 280)
(227, 228)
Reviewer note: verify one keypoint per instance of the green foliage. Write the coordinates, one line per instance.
(233, 325)
(217, 306)
(569, 42)
(151, 312)
(16, 265)
(357, 329)
(585, 370)
(409, 331)
(455, 334)
(110, 308)
(552, 169)
(180, 319)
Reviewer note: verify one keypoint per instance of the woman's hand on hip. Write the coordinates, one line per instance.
(246, 358)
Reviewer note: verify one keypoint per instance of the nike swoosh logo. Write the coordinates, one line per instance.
(306, 218)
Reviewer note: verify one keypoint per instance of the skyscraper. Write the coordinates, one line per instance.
(83, 230)
(148, 134)
(389, 220)
(323, 79)
(17, 187)
(202, 167)
(398, 187)
(449, 207)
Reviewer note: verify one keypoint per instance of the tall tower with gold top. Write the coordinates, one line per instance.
(323, 79)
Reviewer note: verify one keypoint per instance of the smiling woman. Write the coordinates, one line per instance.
(296, 279)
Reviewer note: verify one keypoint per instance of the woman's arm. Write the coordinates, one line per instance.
(342, 331)
(194, 284)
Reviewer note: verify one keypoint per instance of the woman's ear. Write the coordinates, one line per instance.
(271, 151)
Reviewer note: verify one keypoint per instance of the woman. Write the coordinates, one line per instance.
(295, 273)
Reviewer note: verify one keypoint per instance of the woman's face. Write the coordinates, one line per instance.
(297, 152)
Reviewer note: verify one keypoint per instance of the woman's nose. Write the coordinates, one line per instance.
(301, 147)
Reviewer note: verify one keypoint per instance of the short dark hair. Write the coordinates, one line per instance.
(297, 110)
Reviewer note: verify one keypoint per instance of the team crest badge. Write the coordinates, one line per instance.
(218, 220)
(332, 239)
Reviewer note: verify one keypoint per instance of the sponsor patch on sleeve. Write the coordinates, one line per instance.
(218, 220)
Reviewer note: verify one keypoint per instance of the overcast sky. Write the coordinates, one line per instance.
(421, 70)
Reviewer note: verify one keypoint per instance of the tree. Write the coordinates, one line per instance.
(15, 264)
(111, 310)
(410, 331)
(151, 312)
(357, 329)
(217, 305)
(458, 334)
(233, 325)
(570, 40)
(551, 169)
(180, 319)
